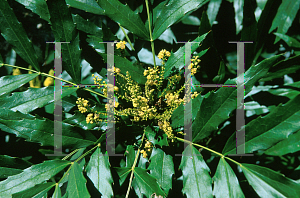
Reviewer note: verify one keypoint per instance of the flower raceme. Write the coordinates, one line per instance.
(144, 102)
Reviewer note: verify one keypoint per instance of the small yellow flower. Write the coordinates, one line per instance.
(16, 72)
(121, 45)
(163, 54)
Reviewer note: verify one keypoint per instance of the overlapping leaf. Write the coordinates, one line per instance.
(31, 176)
(37, 6)
(225, 182)
(264, 132)
(218, 105)
(98, 170)
(196, 179)
(285, 17)
(90, 6)
(289, 145)
(155, 138)
(64, 30)
(42, 130)
(177, 59)
(10, 83)
(32, 99)
(14, 33)
(268, 183)
(57, 192)
(123, 15)
(172, 12)
(39, 190)
(146, 183)
(162, 168)
(11, 166)
(77, 183)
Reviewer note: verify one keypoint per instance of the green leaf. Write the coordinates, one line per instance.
(79, 120)
(130, 156)
(64, 30)
(77, 183)
(145, 183)
(196, 179)
(32, 99)
(213, 9)
(135, 71)
(42, 130)
(282, 68)
(172, 12)
(98, 170)
(268, 183)
(264, 132)
(238, 9)
(30, 177)
(216, 108)
(285, 17)
(10, 83)
(178, 114)
(87, 26)
(123, 15)
(155, 138)
(38, 7)
(123, 173)
(162, 168)
(37, 191)
(176, 60)
(13, 32)
(290, 41)
(225, 182)
(289, 145)
(57, 192)
(90, 6)
(11, 166)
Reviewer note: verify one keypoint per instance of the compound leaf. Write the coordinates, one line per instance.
(14, 33)
(264, 132)
(146, 183)
(216, 108)
(42, 130)
(123, 15)
(77, 183)
(32, 99)
(162, 168)
(172, 12)
(289, 145)
(98, 170)
(64, 30)
(225, 182)
(10, 83)
(37, 191)
(196, 179)
(285, 17)
(90, 6)
(268, 183)
(31, 176)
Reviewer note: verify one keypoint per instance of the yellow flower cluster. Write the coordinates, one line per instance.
(194, 65)
(82, 105)
(35, 83)
(147, 149)
(172, 99)
(164, 54)
(16, 72)
(49, 81)
(121, 45)
(166, 127)
(93, 116)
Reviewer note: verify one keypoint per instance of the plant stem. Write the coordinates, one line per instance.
(127, 38)
(217, 153)
(66, 157)
(132, 168)
(150, 30)
(82, 156)
(44, 74)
